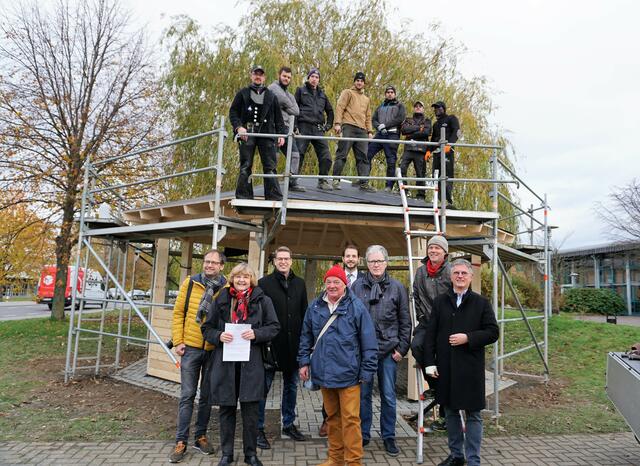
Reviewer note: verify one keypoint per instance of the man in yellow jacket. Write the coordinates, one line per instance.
(353, 120)
(188, 315)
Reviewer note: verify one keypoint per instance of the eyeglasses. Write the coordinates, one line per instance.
(378, 262)
(460, 273)
(212, 263)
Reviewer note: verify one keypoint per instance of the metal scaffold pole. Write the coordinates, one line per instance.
(218, 187)
(494, 271)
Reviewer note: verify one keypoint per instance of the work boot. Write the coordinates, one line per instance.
(262, 441)
(202, 444)
(367, 188)
(336, 184)
(179, 452)
(325, 185)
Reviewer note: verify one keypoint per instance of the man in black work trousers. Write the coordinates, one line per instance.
(452, 130)
(255, 109)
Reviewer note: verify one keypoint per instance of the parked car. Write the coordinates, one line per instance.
(137, 295)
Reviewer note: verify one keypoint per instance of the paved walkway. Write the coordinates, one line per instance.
(600, 450)
(622, 320)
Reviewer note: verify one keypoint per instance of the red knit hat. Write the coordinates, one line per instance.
(336, 271)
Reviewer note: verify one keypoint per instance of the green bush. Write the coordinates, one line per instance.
(530, 294)
(593, 301)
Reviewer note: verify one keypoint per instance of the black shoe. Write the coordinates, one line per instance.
(293, 433)
(262, 441)
(226, 460)
(252, 460)
(453, 461)
(296, 187)
(390, 447)
(274, 198)
(365, 442)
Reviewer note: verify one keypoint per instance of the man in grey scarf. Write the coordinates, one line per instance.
(387, 302)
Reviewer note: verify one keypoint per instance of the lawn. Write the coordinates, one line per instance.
(35, 404)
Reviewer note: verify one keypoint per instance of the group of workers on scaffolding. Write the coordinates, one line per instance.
(357, 329)
(267, 109)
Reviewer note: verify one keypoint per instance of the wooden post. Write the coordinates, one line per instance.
(419, 249)
(476, 283)
(310, 277)
(253, 258)
(186, 259)
(158, 363)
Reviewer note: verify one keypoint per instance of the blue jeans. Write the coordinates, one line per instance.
(390, 154)
(471, 440)
(387, 369)
(289, 395)
(195, 362)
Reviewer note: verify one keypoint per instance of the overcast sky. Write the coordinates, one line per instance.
(565, 76)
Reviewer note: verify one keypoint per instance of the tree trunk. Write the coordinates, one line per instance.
(63, 252)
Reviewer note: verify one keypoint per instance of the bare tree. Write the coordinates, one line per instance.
(77, 84)
(622, 213)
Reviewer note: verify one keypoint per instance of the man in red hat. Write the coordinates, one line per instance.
(338, 352)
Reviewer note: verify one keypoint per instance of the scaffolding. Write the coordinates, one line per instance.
(487, 247)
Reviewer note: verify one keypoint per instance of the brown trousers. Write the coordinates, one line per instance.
(343, 421)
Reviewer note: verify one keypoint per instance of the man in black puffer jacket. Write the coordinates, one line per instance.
(314, 105)
(387, 120)
(415, 128)
(451, 126)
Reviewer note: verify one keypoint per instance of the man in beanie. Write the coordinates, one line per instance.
(288, 107)
(353, 120)
(338, 351)
(433, 278)
(314, 105)
(255, 109)
(415, 128)
(451, 127)
(386, 300)
(387, 120)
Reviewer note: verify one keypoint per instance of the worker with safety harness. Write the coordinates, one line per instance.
(189, 313)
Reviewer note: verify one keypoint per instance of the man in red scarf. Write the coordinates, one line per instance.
(433, 278)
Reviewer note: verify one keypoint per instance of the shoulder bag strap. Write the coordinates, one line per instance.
(333, 317)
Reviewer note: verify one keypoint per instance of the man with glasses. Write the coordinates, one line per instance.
(288, 293)
(387, 303)
(387, 120)
(192, 304)
(462, 323)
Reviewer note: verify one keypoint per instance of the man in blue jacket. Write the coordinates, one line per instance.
(387, 302)
(339, 333)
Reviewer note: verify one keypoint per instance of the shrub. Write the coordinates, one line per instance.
(593, 301)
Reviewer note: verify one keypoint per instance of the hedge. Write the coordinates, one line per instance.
(593, 301)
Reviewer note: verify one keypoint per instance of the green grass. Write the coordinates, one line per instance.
(575, 400)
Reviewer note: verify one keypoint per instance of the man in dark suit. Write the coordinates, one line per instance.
(255, 109)
(462, 323)
(289, 295)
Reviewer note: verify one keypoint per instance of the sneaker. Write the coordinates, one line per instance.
(179, 452)
(324, 429)
(453, 461)
(367, 188)
(390, 447)
(262, 441)
(336, 184)
(202, 444)
(439, 424)
(387, 189)
(293, 433)
(325, 185)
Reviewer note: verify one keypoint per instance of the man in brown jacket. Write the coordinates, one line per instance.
(353, 120)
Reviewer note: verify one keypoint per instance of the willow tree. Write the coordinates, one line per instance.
(77, 84)
(205, 70)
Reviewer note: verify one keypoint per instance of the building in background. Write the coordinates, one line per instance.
(614, 265)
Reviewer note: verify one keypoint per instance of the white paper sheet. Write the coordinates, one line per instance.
(239, 348)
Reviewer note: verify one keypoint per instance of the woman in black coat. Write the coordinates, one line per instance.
(242, 303)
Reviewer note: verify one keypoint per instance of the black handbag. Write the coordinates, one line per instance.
(269, 358)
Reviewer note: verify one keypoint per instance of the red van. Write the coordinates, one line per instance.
(94, 287)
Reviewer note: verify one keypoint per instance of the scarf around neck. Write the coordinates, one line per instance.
(432, 270)
(241, 311)
(376, 290)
